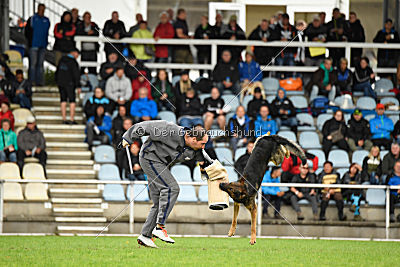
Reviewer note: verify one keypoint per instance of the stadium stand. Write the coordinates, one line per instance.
(288, 134)
(224, 155)
(339, 158)
(309, 140)
(109, 172)
(187, 194)
(168, 116)
(140, 193)
(113, 192)
(104, 154)
(181, 173)
(375, 197)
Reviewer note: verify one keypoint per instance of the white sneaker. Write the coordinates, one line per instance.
(162, 235)
(145, 241)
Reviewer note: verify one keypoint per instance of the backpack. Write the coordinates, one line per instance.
(319, 105)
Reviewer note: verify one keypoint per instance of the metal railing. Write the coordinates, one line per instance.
(215, 43)
(259, 199)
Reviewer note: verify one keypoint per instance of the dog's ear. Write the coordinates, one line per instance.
(286, 151)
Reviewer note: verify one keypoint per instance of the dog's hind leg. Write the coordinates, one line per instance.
(253, 211)
(236, 207)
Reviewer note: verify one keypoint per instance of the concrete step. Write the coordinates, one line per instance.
(72, 162)
(74, 192)
(55, 119)
(45, 100)
(73, 229)
(78, 210)
(70, 174)
(73, 137)
(77, 200)
(81, 219)
(69, 155)
(53, 110)
(62, 128)
(67, 146)
(44, 89)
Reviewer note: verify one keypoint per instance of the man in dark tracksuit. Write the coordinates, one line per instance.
(167, 144)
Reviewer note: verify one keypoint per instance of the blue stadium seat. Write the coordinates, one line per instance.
(394, 118)
(240, 152)
(232, 101)
(187, 194)
(203, 193)
(175, 80)
(86, 97)
(140, 192)
(288, 135)
(246, 100)
(109, 172)
(383, 153)
(229, 116)
(369, 117)
(339, 158)
(104, 154)
(270, 98)
(203, 96)
(321, 119)
(181, 173)
(382, 87)
(224, 155)
(271, 85)
(305, 122)
(387, 100)
(197, 174)
(376, 197)
(342, 171)
(358, 156)
(167, 115)
(309, 140)
(347, 117)
(303, 202)
(113, 192)
(341, 100)
(320, 154)
(232, 174)
(366, 102)
(92, 79)
(299, 101)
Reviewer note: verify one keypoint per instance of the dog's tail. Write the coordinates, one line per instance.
(292, 146)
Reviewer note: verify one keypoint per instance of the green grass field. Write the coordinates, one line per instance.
(122, 251)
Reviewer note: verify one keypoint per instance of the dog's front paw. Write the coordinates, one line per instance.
(231, 232)
(252, 241)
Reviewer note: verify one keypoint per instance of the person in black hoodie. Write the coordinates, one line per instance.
(344, 80)
(284, 111)
(354, 196)
(21, 90)
(68, 79)
(253, 107)
(239, 128)
(242, 161)
(98, 99)
(108, 68)
(334, 131)
(355, 33)
(336, 33)
(263, 32)
(89, 49)
(213, 110)
(120, 124)
(364, 77)
(358, 134)
(115, 29)
(226, 74)
(64, 33)
(388, 35)
(132, 68)
(190, 110)
(315, 32)
(234, 32)
(204, 31)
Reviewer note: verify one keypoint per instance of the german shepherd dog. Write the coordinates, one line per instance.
(266, 148)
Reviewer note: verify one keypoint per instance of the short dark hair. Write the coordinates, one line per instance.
(328, 162)
(5, 120)
(181, 10)
(41, 5)
(197, 131)
(328, 58)
(388, 20)
(19, 71)
(128, 119)
(274, 168)
(352, 13)
(336, 9)
(285, 16)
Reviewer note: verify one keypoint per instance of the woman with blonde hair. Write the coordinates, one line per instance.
(371, 169)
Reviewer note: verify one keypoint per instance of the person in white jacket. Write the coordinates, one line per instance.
(118, 87)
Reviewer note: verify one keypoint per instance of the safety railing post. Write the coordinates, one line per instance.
(79, 47)
(259, 211)
(214, 54)
(131, 210)
(387, 218)
(1, 204)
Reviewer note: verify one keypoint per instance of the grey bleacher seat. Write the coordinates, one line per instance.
(347, 117)
(299, 101)
(271, 85)
(344, 101)
(320, 154)
(168, 116)
(394, 118)
(203, 193)
(203, 97)
(246, 101)
(270, 98)
(86, 97)
(305, 122)
(376, 197)
(389, 99)
(175, 80)
(321, 119)
(104, 154)
(369, 117)
(224, 155)
(339, 158)
(109, 172)
(232, 174)
(288, 135)
(382, 87)
(342, 171)
(383, 153)
(309, 140)
(240, 152)
(229, 116)
(358, 156)
(303, 202)
(197, 174)
(181, 173)
(366, 102)
(140, 192)
(231, 100)
(187, 194)
(113, 192)
(92, 79)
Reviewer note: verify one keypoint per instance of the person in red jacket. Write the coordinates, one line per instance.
(6, 113)
(291, 166)
(138, 83)
(164, 30)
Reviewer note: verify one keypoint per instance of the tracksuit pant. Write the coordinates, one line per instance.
(163, 191)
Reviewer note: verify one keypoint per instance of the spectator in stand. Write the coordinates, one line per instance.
(315, 32)
(250, 75)
(234, 32)
(310, 194)
(64, 33)
(182, 53)
(190, 110)
(143, 52)
(322, 17)
(300, 58)
(241, 162)
(109, 67)
(170, 13)
(396, 131)
(253, 107)
(381, 127)
(355, 33)
(115, 29)
(358, 135)
(334, 132)
(395, 193)
(364, 77)
(273, 195)
(98, 99)
(353, 176)
(264, 123)
(284, 110)
(387, 58)
(143, 108)
(134, 28)
(291, 166)
(75, 17)
(119, 88)
(89, 49)
(204, 31)
(133, 67)
(336, 33)
(323, 81)
(183, 86)
(8, 142)
(140, 82)
(21, 91)
(120, 124)
(68, 80)
(123, 165)
(6, 113)
(226, 74)
(329, 176)
(286, 32)
(5, 88)
(213, 109)
(389, 160)
(164, 30)
(344, 80)
(98, 128)
(164, 95)
(219, 27)
(37, 33)
(31, 143)
(263, 54)
(239, 129)
(371, 166)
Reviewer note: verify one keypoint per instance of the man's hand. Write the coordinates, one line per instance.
(109, 70)
(280, 194)
(79, 90)
(38, 150)
(300, 195)
(116, 35)
(28, 152)
(136, 167)
(329, 137)
(331, 191)
(124, 143)
(11, 148)
(312, 193)
(328, 87)
(372, 76)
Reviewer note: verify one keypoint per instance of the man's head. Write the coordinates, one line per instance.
(233, 20)
(100, 110)
(5, 124)
(119, 72)
(139, 17)
(388, 25)
(250, 146)
(127, 123)
(353, 17)
(114, 16)
(170, 13)
(357, 114)
(338, 115)
(264, 112)
(143, 25)
(122, 110)
(184, 76)
(304, 169)
(142, 92)
(40, 9)
(328, 167)
(196, 138)
(396, 168)
(74, 13)
(240, 112)
(257, 93)
(87, 17)
(328, 63)
(162, 75)
(98, 92)
(181, 14)
(285, 19)
(395, 149)
(226, 56)
(164, 17)
(218, 18)
(281, 94)
(322, 16)
(5, 106)
(190, 93)
(275, 172)
(343, 64)
(249, 56)
(31, 123)
(19, 75)
(364, 62)
(336, 13)
(74, 52)
(215, 93)
(380, 109)
(264, 24)
(112, 57)
(316, 21)
(204, 20)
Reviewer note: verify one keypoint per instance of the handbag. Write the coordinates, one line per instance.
(337, 135)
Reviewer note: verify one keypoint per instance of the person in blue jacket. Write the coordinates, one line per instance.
(272, 194)
(250, 74)
(143, 109)
(99, 127)
(395, 193)
(264, 123)
(381, 128)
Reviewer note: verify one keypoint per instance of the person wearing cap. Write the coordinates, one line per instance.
(250, 75)
(381, 128)
(358, 135)
(234, 32)
(31, 143)
(364, 77)
(310, 194)
(272, 194)
(8, 142)
(114, 28)
(253, 107)
(68, 80)
(387, 35)
(143, 52)
(315, 32)
(118, 87)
